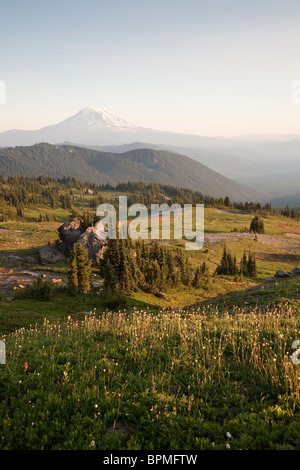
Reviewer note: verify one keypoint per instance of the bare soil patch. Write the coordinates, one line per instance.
(281, 243)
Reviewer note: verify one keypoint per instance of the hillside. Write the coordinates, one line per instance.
(136, 165)
(268, 167)
(256, 161)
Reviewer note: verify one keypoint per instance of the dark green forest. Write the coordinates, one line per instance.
(69, 193)
(147, 165)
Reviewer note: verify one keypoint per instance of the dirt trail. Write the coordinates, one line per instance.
(292, 235)
(281, 243)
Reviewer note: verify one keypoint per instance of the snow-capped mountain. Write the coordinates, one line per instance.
(100, 127)
(98, 119)
(97, 126)
(93, 126)
(251, 159)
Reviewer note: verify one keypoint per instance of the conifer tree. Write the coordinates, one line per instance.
(84, 269)
(203, 270)
(80, 270)
(110, 283)
(257, 225)
(197, 278)
(73, 272)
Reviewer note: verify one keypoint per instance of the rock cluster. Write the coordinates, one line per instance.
(283, 275)
(93, 241)
(70, 232)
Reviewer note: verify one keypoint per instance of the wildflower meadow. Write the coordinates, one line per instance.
(153, 381)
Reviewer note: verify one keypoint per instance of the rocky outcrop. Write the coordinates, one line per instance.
(295, 272)
(70, 232)
(50, 254)
(282, 274)
(93, 241)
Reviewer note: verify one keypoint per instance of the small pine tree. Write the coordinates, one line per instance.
(223, 267)
(110, 283)
(201, 276)
(248, 265)
(257, 225)
(80, 270)
(251, 265)
(204, 270)
(197, 278)
(73, 272)
(84, 269)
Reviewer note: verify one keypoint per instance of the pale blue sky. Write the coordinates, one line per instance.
(214, 67)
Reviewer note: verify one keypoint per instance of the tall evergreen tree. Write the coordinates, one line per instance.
(80, 270)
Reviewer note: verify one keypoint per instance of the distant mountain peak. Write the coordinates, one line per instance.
(95, 118)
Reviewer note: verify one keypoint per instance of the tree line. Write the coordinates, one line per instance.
(149, 267)
(17, 192)
(229, 265)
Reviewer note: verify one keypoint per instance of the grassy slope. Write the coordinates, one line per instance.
(153, 381)
(148, 380)
(22, 239)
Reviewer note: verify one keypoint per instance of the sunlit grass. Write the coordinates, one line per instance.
(146, 380)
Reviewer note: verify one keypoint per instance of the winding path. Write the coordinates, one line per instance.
(280, 242)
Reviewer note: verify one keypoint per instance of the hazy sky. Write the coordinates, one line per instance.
(214, 67)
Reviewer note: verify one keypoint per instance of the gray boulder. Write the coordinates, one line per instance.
(92, 241)
(295, 272)
(282, 274)
(70, 232)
